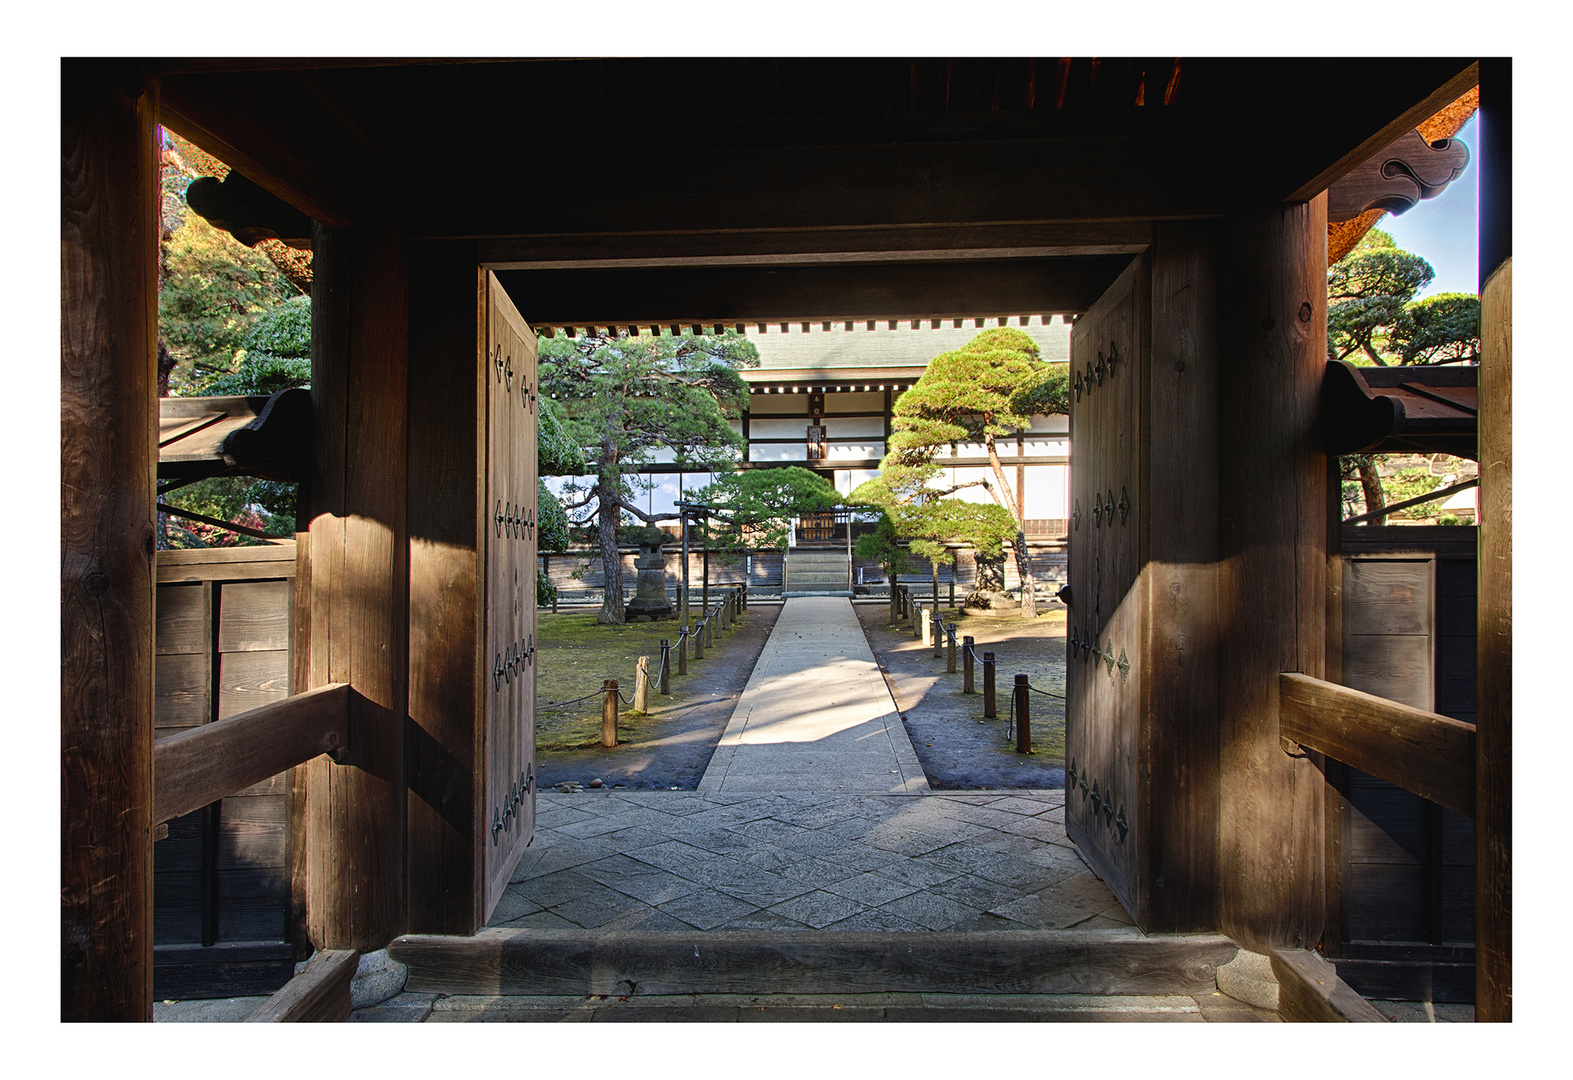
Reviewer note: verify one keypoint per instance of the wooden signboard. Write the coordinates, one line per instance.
(508, 528)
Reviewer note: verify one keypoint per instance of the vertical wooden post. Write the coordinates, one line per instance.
(966, 664)
(682, 647)
(1023, 721)
(938, 629)
(108, 424)
(666, 665)
(609, 712)
(989, 709)
(950, 650)
(698, 635)
(1494, 678)
(926, 628)
(642, 685)
(1272, 584)
(359, 582)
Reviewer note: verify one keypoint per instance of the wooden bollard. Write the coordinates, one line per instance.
(666, 665)
(966, 665)
(950, 650)
(901, 601)
(939, 632)
(726, 615)
(988, 685)
(927, 630)
(682, 651)
(609, 713)
(952, 593)
(1023, 725)
(642, 685)
(699, 640)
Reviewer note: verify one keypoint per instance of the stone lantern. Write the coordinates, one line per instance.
(650, 600)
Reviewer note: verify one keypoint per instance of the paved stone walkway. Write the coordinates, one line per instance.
(678, 860)
(816, 715)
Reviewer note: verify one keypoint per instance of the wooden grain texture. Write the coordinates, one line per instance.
(199, 766)
(1178, 859)
(108, 424)
(254, 616)
(745, 962)
(227, 564)
(1310, 991)
(359, 583)
(1494, 693)
(446, 435)
(1273, 543)
(1388, 597)
(319, 994)
(1423, 752)
(181, 621)
(248, 680)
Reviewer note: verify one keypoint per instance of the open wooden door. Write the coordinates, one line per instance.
(1104, 663)
(508, 543)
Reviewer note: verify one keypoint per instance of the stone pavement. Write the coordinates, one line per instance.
(816, 715)
(800, 861)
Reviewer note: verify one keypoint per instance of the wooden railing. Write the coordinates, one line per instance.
(1423, 752)
(208, 763)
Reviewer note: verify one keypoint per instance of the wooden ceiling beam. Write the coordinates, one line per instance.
(277, 130)
(797, 294)
(590, 251)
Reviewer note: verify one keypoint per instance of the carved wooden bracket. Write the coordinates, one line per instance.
(1409, 170)
(248, 212)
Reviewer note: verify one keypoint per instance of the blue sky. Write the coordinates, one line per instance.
(1443, 230)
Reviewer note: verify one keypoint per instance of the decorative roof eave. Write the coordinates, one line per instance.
(1419, 409)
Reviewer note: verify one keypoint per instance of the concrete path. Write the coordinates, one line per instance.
(816, 715)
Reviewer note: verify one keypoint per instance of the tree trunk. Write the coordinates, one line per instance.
(1005, 497)
(608, 510)
(1371, 487)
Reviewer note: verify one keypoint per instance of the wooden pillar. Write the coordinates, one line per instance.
(1494, 672)
(359, 607)
(108, 425)
(1273, 528)
(446, 491)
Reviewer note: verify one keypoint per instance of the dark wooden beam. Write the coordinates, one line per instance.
(109, 176)
(797, 293)
(274, 129)
(319, 994)
(815, 247)
(1273, 540)
(204, 764)
(1310, 991)
(1494, 659)
(1378, 113)
(358, 579)
(1423, 752)
(446, 492)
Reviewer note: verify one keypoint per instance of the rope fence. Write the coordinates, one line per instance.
(729, 607)
(930, 626)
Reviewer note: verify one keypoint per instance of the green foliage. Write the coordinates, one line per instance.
(1441, 329)
(545, 591)
(1045, 394)
(973, 394)
(1411, 483)
(754, 507)
(213, 292)
(557, 454)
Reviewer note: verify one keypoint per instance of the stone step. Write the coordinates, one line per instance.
(580, 962)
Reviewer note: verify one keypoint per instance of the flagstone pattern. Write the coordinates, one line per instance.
(679, 860)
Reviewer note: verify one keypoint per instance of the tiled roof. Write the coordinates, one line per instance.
(886, 348)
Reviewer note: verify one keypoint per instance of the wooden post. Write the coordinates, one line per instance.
(1494, 643)
(1023, 721)
(683, 614)
(926, 630)
(683, 637)
(666, 665)
(725, 610)
(938, 631)
(355, 834)
(609, 713)
(950, 650)
(966, 664)
(699, 639)
(642, 685)
(1272, 587)
(952, 600)
(988, 686)
(108, 423)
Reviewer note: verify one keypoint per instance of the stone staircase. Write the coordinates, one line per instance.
(811, 572)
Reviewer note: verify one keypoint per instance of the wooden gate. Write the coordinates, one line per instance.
(508, 528)
(1104, 635)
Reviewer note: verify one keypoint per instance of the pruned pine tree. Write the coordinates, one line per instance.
(627, 398)
(986, 390)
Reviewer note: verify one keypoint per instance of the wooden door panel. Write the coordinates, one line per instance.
(1104, 641)
(508, 521)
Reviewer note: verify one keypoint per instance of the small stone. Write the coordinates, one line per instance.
(596, 782)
